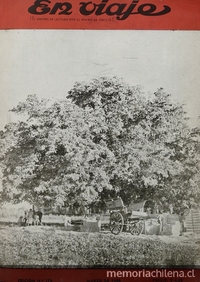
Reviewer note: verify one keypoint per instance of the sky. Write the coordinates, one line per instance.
(49, 62)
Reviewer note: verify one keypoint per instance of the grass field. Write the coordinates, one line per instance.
(43, 246)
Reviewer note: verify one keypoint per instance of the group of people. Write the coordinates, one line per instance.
(30, 218)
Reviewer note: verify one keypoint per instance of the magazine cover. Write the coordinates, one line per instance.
(99, 141)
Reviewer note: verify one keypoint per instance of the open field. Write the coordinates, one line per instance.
(43, 246)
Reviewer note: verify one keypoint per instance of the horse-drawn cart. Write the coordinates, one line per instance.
(125, 218)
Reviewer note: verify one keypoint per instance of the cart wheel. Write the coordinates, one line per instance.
(137, 227)
(116, 223)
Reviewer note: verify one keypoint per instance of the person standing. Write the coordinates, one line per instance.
(30, 217)
(25, 218)
(161, 222)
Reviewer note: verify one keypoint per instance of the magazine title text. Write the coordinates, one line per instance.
(120, 10)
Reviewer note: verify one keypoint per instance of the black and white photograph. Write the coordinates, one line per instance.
(99, 148)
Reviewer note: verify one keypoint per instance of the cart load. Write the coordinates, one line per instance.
(131, 218)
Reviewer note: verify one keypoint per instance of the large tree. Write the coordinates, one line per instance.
(47, 158)
(156, 152)
(106, 139)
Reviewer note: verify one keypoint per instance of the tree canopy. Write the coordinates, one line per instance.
(105, 139)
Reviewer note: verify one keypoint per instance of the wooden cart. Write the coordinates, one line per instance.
(124, 218)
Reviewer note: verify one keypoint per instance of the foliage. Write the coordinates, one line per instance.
(106, 139)
(156, 152)
(24, 247)
(48, 158)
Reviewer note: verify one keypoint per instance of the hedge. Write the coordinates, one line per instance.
(51, 247)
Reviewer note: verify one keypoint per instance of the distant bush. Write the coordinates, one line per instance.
(25, 247)
(9, 210)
